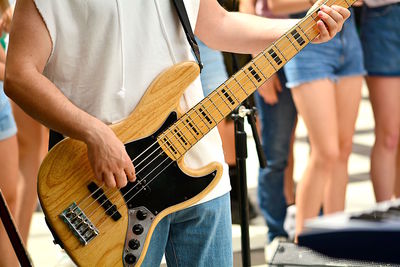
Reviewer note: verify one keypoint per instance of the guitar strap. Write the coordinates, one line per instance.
(183, 17)
(56, 137)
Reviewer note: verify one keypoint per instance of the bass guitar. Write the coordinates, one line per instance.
(100, 226)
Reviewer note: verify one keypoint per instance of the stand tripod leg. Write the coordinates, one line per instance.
(13, 234)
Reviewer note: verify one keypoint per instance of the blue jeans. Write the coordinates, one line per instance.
(197, 236)
(277, 122)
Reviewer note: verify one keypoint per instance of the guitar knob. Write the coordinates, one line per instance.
(134, 244)
(141, 215)
(130, 258)
(137, 229)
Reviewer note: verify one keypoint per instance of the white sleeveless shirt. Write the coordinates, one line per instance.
(106, 53)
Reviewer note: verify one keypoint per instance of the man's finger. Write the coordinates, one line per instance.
(330, 24)
(120, 179)
(130, 172)
(344, 12)
(109, 180)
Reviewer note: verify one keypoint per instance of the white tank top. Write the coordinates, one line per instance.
(106, 53)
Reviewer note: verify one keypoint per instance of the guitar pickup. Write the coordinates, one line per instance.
(98, 195)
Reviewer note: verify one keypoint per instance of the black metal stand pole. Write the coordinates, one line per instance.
(241, 156)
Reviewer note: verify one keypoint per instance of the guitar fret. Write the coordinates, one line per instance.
(186, 126)
(292, 42)
(279, 52)
(171, 148)
(198, 125)
(298, 38)
(264, 66)
(216, 107)
(216, 98)
(175, 142)
(180, 138)
(185, 133)
(241, 87)
(255, 65)
(201, 119)
(207, 115)
(258, 80)
(226, 92)
(194, 128)
(299, 26)
(223, 100)
(269, 60)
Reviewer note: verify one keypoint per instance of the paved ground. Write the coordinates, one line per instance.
(359, 194)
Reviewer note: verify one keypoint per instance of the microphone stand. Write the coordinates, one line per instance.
(238, 115)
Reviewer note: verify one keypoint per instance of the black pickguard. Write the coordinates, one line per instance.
(160, 183)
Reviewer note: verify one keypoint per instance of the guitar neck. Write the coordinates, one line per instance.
(203, 117)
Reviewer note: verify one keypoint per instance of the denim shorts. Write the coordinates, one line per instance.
(7, 123)
(380, 37)
(342, 56)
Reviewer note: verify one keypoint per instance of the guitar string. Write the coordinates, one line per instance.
(238, 82)
(173, 161)
(216, 108)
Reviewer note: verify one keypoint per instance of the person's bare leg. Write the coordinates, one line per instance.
(9, 183)
(397, 182)
(288, 182)
(315, 102)
(227, 132)
(348, 96)
(32, 144)
(385, 99)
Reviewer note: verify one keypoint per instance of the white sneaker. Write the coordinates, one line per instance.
(290, 221)
(270, 249)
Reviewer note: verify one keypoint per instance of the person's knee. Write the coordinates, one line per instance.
(11, 197)
(389, 140)
(345, 150)
(327, 156)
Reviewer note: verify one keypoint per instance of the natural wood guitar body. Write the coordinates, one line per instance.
(65, 174)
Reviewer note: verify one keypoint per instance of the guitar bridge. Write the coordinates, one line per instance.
(79, 224)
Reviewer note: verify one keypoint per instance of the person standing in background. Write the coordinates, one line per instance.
(380, 37)
(326, 87)
(31, 140)
(10, 183)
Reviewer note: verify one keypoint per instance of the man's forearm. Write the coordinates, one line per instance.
(247, 34)
(4, 4)
(238, 32)
(47, 104)
(285, 7)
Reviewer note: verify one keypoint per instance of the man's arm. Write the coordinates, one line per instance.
(284, 7)
(25, 84)
(4, 4)
(244, 33)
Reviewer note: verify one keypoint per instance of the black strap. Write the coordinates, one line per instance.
(183, 17)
